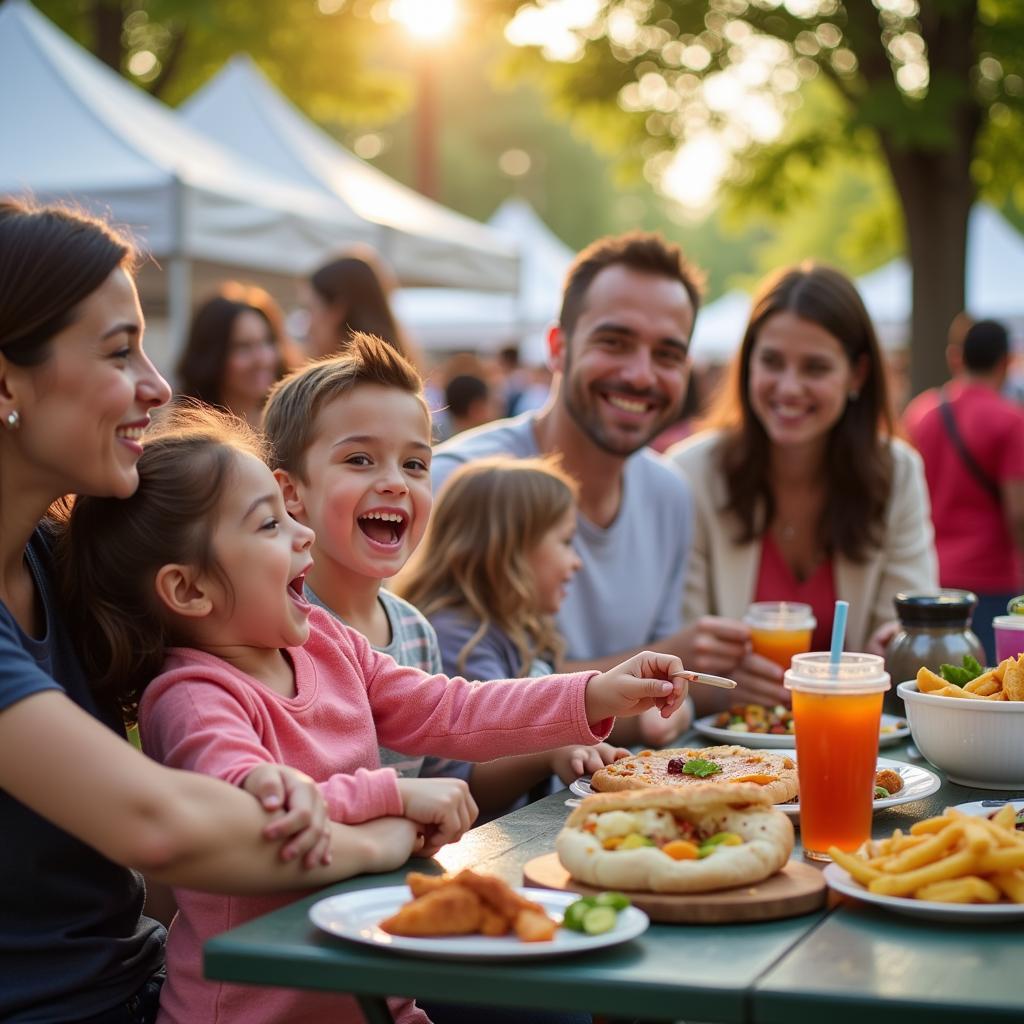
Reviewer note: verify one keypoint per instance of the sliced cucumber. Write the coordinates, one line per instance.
(598, 920)
(574, 913)
(615, 900)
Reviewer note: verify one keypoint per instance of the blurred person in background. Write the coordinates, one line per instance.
(470, 402)
(349, 294)
(972, 443)
(236, 349)
(802, 493)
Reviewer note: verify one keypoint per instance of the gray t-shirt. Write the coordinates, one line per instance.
(413, 644)
(628, 592)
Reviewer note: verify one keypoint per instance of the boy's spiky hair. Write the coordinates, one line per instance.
(289, 417)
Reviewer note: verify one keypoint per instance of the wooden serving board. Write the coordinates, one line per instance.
(797, 889)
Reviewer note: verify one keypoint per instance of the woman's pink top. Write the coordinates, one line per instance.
(202, 714)
(776, 582)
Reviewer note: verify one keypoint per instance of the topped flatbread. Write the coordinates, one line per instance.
(693, 839)
(774, 772)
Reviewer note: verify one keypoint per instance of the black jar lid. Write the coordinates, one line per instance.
(944, 607)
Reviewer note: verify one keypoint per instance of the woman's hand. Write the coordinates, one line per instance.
(569, 763)
(443, 808)
(656, 731)
(882, 636)
(300, 813)
(646, 680)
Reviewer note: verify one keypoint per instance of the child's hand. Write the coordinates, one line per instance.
(656, 731)
(646, 680)
(569, 763)
(300, 813)
(443, 808)
(390, 841)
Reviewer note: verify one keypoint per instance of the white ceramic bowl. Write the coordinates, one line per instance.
(975, 742)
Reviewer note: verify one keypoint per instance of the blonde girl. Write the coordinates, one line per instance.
(493, 568)
(203, 569)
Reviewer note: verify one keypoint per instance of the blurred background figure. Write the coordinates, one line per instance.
(236, 349)
(352, 293)
(972, 443)
(802, 493)
(470, 402)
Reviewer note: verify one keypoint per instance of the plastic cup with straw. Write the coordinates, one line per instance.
(837, 709)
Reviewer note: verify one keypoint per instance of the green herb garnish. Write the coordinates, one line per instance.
(957, 675)
(701, 768)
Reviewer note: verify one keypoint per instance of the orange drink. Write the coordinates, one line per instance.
(836, 714)
(780, 629)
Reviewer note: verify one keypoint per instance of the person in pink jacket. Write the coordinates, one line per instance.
(203, 566)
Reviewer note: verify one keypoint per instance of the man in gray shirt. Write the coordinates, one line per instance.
(620, 352)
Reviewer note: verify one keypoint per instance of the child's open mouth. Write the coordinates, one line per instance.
(295, 589)
(384, 527)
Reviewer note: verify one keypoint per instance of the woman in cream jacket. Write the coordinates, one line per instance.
(801, 490)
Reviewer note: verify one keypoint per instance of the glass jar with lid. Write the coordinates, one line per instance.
(936, 630)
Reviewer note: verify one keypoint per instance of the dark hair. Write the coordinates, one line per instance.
(356, 283)
(290, 415)
(462, 391)
(644, 252)
(201, 367)
(112, 548)
(986, 345)
(52, 258)
(858, 466)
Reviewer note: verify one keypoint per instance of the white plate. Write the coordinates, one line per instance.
(776, 741)
(959, 913)
(918, 782)
(356, 915)
(985, 808)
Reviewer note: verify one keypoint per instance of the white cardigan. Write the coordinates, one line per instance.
(722, 574)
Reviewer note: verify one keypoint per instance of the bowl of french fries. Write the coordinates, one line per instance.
(940, 866)
(973, 731)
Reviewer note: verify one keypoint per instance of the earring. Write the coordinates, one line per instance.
(12, 420)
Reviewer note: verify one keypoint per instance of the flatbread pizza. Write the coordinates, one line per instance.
(682, 840)
(773, 772)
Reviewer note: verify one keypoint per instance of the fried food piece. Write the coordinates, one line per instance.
(534, 925)
(968, 889)
(420, 884)
(491, 922)
(984, 685)
(891, 781)
(494, 892)
(449, 910)
(1013, 679)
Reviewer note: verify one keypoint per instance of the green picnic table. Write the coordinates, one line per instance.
(851, 962)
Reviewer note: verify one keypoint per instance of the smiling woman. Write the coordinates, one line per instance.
(79, 805)
(802, 492)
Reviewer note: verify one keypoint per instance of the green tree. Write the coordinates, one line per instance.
(931, 89)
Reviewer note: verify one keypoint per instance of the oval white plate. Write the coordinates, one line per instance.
(985, 808)
(958, 913)
(356, 915)
(918, 782)
(896, 729)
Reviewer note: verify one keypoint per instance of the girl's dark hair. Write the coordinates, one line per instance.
(202, 363)
(858, 465)
(356, 283)
(112, 548)
(51, 259)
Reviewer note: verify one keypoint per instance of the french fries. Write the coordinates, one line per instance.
(952, 858)
(1004, 682)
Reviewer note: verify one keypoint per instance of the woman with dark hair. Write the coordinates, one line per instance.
(348, 295)
(236, 350)
(80, 807)
(802, 493)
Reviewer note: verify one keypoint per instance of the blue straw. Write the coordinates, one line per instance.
(838, 632)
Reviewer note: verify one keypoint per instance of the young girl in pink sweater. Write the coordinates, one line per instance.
(196, 580)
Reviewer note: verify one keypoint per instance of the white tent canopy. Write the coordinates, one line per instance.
(719, 328)
(424, 242)
(453, 319)
(73, 128)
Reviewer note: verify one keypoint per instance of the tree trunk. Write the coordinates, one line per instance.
(107, 17)
(936, 193)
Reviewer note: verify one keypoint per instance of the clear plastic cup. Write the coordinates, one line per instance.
(780, 629)
(1009, 631)
(836, 715)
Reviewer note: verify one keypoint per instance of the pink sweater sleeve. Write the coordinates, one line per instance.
(223, 732)
(419, 713)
